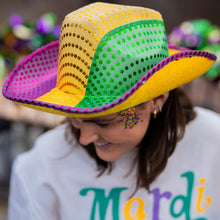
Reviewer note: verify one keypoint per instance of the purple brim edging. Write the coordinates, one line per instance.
(184, 53)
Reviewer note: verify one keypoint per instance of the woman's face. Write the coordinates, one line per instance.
(108, 135)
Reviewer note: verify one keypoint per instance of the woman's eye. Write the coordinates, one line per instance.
(103, 125)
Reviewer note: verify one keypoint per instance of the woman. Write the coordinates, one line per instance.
(115, 79)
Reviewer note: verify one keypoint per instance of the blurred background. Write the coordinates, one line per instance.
(26, 25)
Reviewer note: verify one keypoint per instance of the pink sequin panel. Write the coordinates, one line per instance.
(35, 75)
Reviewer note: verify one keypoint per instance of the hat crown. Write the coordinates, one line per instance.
(85, 30)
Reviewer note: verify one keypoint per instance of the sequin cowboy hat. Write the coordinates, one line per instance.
(109, 57)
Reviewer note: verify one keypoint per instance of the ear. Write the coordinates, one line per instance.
(159, 102)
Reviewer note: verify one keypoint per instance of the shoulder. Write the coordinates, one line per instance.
(206, 120)
(51, 153)
(43, 147)
(50, 144)
(204, 129)
(53, 137)
(206, 115)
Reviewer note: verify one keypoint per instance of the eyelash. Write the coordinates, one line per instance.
(103, 125)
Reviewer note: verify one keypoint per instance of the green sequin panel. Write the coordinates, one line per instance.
(122, 57)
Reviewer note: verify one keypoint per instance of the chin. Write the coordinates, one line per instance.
(107, 156)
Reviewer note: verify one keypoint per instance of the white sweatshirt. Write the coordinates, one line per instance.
(56, 181)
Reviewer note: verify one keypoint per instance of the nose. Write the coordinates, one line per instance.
(88, 134)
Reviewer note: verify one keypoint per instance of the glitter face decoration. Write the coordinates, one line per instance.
(130, 117)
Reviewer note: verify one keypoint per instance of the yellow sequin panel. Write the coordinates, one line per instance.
(62, 98)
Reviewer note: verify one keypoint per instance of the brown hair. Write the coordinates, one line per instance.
(159, 141)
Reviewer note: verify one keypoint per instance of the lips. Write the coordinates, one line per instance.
(104, 145)
(101, 144)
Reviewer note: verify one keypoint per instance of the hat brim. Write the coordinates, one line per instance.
(179, 68)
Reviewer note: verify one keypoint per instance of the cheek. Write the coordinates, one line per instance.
(145, 123)
(138, 132)
(113, 135)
